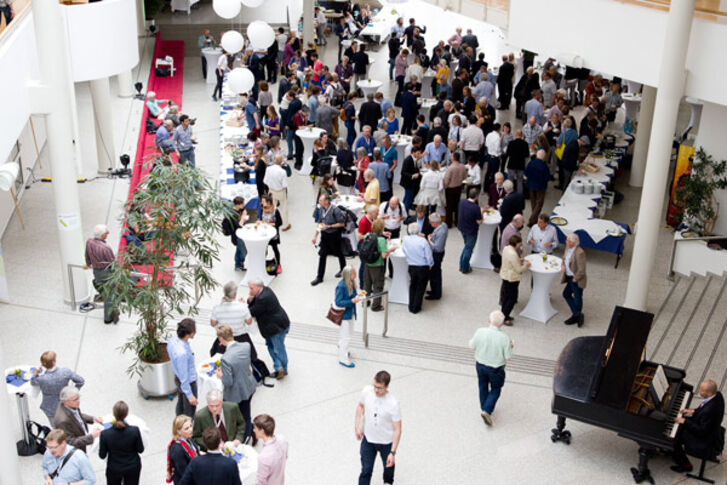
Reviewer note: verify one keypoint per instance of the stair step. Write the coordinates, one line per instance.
(671, 321)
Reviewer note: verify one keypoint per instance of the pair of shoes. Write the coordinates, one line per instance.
(496, 270)
(378, 309)
(316, 281)
(286, 228)
(486, 418)
(338, 275)
(682, 468)
(350, 365)
(508, 321)
(108, 322)
(240, 268)
(468, 271)
(280, 374)
(581, 319)
(214, 98)
(432, 297)
(572, 320)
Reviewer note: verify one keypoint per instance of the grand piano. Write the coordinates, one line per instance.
(607, 382)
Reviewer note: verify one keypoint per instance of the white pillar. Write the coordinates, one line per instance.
(103, 125)
(11, 463)
(126, 84)
(54, 63)
(307, 21)
(651, 211)
(643, 132)
(140, 18)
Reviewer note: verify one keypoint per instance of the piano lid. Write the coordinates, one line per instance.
(578, 363)
(620, 356)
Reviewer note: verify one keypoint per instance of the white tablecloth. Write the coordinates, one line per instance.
(399, 287)
(483, 247)
(256, 237)
(380, 26)
(212, 54)
(131, 420)
(25, 388)
(429, 75)
(308, 136)
(248, 464)
(369, 86)
(351, 203)
(403, 148)
(539, 307)
(631, 105)
(206, 382)
(184, 5)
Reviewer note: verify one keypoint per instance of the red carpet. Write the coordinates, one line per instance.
(169, 87)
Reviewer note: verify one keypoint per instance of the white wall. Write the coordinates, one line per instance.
(711, 137)
(620, 39)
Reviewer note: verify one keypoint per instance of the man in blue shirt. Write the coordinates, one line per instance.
(163, 137)
(366, 141)
(383, 175)
(59, 467)
(435, 150)
(384, 102)
(419, 257)
(469, 218)
(252, 118)
(182, 359)
(184, 140)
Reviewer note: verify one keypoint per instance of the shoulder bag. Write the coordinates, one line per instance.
(335, 315)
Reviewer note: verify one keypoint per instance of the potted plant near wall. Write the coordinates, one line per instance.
(695, 193)
(174, 210)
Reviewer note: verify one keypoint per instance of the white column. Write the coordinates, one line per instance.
(126, 84)
(307, 21)
(140, 18)
(651, 211)
(54, 64)
(643, 132)
(103, 125)
(11, 463)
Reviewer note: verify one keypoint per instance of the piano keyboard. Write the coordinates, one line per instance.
(680, 403)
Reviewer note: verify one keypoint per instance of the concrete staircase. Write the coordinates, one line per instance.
(689, 329)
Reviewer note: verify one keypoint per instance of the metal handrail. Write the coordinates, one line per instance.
(365, 331)
(670, 274)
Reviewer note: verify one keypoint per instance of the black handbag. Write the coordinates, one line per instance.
(345, 179)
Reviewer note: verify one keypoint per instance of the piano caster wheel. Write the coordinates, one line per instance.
(558, 435)
(641, 477)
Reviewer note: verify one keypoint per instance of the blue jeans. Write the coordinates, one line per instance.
(408, 199)
(187, 156)
(350, 132)
(368, 457)
(276, 347)
(240, 253)
(289, 140)
(469, 245)
(490, 381)
(392, 63)
(573, 295)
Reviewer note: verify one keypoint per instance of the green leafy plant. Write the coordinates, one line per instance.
(695, 193)
(175, 210)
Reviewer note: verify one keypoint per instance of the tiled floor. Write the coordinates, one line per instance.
(444, 440)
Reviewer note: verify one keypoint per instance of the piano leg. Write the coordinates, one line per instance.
(642, 473)
(559, 433)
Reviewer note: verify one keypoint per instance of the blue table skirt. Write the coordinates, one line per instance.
(611, 244)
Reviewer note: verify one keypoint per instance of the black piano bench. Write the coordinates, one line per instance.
(701, 476)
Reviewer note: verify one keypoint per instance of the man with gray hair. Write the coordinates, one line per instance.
(163, 137)
(223, 415)
(513, 203)
(73, 422)
(100, 257)
(437, 239)
(235, 314)
(273, 322)
(573, 272)
(419, 257)
(493, 348)
(372, 195)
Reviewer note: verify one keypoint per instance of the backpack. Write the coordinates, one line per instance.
(338, 96)
(369, 250)
(260, 371)
(350, 220)
(342, 113)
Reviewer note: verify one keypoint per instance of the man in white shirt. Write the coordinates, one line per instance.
(320, 23)
(381, 428)
(494, 150)
(277, 181)
(542, 236)
(472, 140)
(393, 213)
(234, 314)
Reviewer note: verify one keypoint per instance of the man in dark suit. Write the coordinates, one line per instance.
(512, 204)
(504, 83)
(700, 431)
(409, 109)
(471, 40)
(212, 468)
(273, 322)
(409, 31)
(224, 416)
(410, 176)
(73, 422)
(370, 113)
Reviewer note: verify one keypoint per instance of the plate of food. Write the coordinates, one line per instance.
(559, 221)
(689, 234)
(617, 232)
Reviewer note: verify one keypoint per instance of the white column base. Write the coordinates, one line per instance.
(126, 84)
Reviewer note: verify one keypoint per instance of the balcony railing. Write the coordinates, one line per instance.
(703, 9)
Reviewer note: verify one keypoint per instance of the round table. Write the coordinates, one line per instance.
(246, 458)
(352, 203)
(428, 77)
(483, 247)
(308, 136)
(631, 105)
(539, 307)
(131, 420)
(399, 287)
(425, 106)
(256, 237)
(212, 54)
(402, 143)
(369, 86)
(20, 387)
(207, 380)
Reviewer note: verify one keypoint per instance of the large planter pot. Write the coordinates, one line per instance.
(157, 379)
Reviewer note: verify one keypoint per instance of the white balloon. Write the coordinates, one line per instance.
(8, 175)
(240, 80)
(252, 3)
(227, 9)
(232, 41)
(261, 35)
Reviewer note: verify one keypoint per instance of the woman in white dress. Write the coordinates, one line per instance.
(431, 188)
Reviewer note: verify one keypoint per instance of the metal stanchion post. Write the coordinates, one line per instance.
(386, 314)
(23, 414)
(365, 331)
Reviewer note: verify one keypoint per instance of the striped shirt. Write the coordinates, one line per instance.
(233, 314)
(98, 253)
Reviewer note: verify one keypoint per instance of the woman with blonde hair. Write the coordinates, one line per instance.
(181, 450)
(346, 299)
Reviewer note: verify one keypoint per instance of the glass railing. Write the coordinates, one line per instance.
(703, 9)
(19, 9)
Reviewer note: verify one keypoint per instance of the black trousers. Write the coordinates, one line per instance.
(220, 349)
(298, 151)
(419, 277)
(218, 88)
(130, 476)
(509, 293)
(452, 196)
(435, 276)
(183, 404)
(330, 245)
(504, 90)
(204, 67)
(245, 411)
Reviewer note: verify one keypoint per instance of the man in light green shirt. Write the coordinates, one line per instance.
(205, 40)
(492, 350)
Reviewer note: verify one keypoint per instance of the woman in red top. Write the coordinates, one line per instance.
(362, 163)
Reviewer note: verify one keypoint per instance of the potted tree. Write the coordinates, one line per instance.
(695, 193)
(173, 210)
